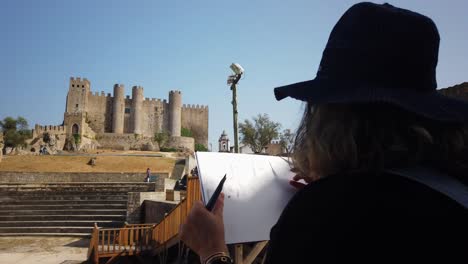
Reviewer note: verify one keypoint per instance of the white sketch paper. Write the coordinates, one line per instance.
(256, 191)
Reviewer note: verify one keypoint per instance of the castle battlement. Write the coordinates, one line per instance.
(152, 100)
(192, 106)
(79, 81)
(139, 88)
(52, 130)
(175, 92)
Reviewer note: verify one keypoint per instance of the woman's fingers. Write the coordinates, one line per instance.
(219, 206)
(297, 185)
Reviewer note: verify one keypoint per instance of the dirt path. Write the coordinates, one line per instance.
(43, 250)
(117, 163)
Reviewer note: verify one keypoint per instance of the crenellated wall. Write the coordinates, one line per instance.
(52, 130)
(99, 112)
(195, 118)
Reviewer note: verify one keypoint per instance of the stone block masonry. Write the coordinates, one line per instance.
(89, 113)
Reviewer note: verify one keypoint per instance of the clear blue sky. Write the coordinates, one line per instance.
(186, 45)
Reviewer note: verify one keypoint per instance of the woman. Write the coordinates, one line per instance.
(375, 133)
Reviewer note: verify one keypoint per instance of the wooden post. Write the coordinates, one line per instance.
(254, 252)
(238, 252)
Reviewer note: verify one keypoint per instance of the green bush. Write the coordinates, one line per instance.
(161, 138)
(168, 150)
(77, 138)
(200, 147)
(185, 132)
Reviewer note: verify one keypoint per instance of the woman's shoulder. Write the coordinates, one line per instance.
(363, 192)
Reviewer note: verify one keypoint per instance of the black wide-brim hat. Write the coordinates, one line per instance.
(381, 53)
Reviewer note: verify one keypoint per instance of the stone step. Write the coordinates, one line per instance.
(77, 189)
(64, 212)
(96, 206)
(46, 229)
(64, 196)
(85, 223)
(63, 202)
(67, 217)
(78, 184)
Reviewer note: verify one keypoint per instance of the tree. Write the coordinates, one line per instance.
(15, 131)
(259, 133)
(287, 141)
(200, 147)
(161, 138)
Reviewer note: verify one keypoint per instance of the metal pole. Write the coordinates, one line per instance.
(234, 112)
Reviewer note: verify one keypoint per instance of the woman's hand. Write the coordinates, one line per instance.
(204, 230)
(299, 185)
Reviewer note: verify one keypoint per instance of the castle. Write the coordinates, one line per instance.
(106, 118)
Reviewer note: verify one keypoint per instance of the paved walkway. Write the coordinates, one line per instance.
(43, 250)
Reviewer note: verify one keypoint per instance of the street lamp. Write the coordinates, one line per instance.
(233, 80)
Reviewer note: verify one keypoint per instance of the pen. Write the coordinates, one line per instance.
(214, 197)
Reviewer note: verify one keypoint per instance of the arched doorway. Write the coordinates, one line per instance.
(75, 129)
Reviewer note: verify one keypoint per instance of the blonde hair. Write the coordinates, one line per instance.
(336, 138)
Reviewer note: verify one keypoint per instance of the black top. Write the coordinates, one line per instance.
(356, 218)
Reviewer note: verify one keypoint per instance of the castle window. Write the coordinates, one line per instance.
(73, 85)
(82, 86)
(76, 105)
(127, 110)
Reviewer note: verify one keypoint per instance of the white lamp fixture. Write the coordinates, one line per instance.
(237, 69)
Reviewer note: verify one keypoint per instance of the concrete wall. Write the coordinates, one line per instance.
(154, 211)
(49, 177)
(135, 204)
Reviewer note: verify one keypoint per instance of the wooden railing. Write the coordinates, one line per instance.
(167, 230)
(133, 239)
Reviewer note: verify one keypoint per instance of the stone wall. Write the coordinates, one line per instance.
(38, 130)
(153, 116)
(181, 143)
(50, 177)
(195, 118)
(135, 204)
(126, 142)
(99, 112)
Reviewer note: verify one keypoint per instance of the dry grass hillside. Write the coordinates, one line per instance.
(80, 164)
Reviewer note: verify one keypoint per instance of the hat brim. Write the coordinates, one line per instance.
(432, 105)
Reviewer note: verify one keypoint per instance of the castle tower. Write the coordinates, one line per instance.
(77, 97)
(137, 103)
(223, 142)
(118, 109)
(175, 113)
